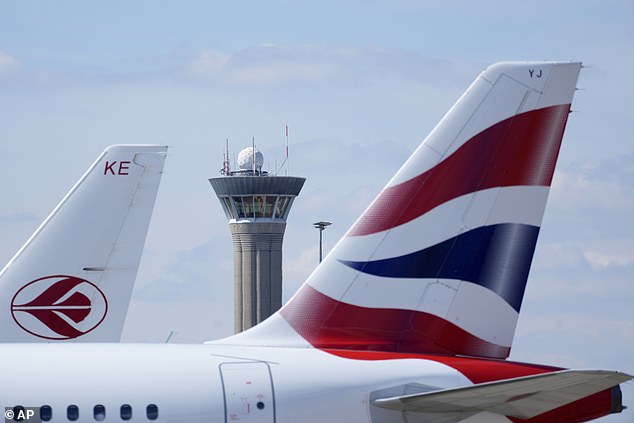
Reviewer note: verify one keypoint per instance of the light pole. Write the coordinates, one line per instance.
(321, 226)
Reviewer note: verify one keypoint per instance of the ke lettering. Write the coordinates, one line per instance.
(114, 168)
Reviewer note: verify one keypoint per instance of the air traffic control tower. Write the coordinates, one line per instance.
(257, 205)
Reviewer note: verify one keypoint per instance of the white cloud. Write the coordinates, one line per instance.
(9, 65)
(606, 185)
(264, 64)
(610, 253)
(276, 64)
(297, 266)
(555, 255)
(570, 339)
(208, 63)
(588, 220)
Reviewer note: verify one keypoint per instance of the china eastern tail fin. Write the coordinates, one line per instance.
(439, 261)
(73, 279)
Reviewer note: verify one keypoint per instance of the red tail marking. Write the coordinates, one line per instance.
(53, 293)
(328, 323)
(49, 309)
(521, 150)
(54, 322)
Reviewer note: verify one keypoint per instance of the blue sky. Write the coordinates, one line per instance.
(360, 84)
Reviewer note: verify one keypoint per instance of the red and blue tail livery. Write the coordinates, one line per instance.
(438, 263)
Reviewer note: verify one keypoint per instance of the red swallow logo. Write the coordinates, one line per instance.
(59, 307)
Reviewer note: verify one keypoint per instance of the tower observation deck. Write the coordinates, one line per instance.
(256, 205)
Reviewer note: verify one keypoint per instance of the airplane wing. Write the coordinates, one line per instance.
(522, 397)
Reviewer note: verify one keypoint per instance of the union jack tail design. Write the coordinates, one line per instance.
(439, 261)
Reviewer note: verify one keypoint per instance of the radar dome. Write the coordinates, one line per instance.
(245, 159)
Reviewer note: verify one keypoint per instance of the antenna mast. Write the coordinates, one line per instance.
(253, 153)
(226, 165)
(286, 148)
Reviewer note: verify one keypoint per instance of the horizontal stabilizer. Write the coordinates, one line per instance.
(522, 397)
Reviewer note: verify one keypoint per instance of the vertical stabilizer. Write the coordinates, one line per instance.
(73, 279)
(439, 261)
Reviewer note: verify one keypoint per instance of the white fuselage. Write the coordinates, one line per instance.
(206, 383)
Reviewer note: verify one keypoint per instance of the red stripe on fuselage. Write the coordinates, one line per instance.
(521, 150)
(477, 370)
(328, 323)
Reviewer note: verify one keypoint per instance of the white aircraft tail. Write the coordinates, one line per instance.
(439, 261)
(73, 279)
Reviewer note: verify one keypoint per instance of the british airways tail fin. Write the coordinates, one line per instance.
(439, 261)
(73, 279)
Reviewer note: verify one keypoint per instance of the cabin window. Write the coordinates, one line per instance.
(99, 412)
(72, 413)
(126, 412)
(152, 412)
(46, 413)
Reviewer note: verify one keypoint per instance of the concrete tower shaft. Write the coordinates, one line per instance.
(257, 260)
(256, 206)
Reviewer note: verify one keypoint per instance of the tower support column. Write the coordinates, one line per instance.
(257, 263)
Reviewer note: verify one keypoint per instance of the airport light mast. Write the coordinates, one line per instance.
(321, 226)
